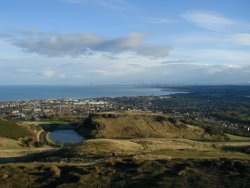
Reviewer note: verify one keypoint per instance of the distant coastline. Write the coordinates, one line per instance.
(32, 92)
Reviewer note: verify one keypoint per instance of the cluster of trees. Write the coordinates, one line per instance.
(210, 127)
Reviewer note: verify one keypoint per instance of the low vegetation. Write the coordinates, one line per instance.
(130, 173)
(125, 125)
(8, 143)
(12, 129)
(128, 149)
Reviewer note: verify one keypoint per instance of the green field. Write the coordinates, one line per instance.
(245, 117)
(238, 138)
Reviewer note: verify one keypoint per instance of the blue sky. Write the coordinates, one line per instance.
(124, 42)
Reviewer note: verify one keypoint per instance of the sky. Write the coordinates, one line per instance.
(81, 42)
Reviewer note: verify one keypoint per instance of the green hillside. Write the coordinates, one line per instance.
(11, 129)
(126, 125)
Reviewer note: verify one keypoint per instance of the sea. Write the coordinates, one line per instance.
(17, 93)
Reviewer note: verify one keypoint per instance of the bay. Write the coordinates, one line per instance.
(14, 93)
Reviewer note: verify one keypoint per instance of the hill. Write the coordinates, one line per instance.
(10, 129)
(126, 125)
(133, 149)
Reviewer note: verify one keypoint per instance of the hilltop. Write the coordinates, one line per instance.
(129, 124)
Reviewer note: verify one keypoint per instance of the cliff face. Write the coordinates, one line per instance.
(90, 127)
(137, 125)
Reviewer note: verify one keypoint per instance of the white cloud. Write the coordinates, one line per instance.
(85, 44)
(48, 73)
(204, 40)
(99, 69)
(208, 20)
(170, 62)
(24, 71)
(242, 56)
(242, 38)
(195, 38)
(210, 47)
(109, 4)
(61, 75)
(153, 20)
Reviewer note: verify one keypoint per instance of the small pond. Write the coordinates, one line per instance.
(66, 136)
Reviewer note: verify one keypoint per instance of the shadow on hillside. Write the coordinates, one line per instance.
(132, 173)
(242, 149)
(28, 158)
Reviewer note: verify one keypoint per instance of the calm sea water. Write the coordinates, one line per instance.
(8, 93)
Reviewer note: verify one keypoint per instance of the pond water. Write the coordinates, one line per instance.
(66, 136)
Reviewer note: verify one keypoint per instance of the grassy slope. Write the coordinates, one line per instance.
(48, 139)
(151, 161)
(140, 125)
(147, 136)
(48, 125)
(8, 143)
(11, 129)
(238, 138)
(144, 148)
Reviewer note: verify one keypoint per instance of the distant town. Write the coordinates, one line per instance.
(197, 108)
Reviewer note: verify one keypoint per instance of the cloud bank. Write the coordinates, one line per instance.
(55, 45)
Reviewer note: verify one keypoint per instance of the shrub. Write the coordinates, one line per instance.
(160, 119)
(212, 130)
(172, 120)
(181, 125)
(38, 144)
